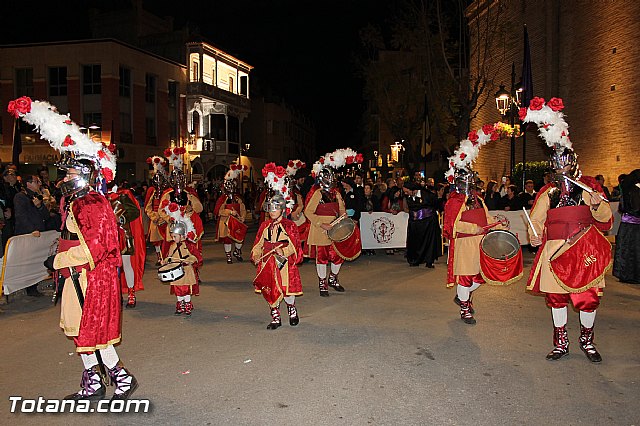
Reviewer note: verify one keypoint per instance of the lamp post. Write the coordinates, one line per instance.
(508, 103)
(397, 150)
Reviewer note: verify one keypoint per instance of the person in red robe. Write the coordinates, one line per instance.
(88, 257)
(132, 241)
(229, 205)
(276, 253)
(157, 226)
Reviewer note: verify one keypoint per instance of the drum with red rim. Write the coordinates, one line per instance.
(500, 257)
(237, 229)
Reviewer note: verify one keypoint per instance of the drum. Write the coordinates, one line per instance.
(237, 229)
(341, 230)
(170, 272)
(267, 282)
(582, 260)
(350, 248)
(500, 258)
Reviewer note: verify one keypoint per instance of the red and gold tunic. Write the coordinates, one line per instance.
(157, 225)
(555, 225)
(460, 227)
(277, 283)
(224, 208)
(322, 207)
(89, 243)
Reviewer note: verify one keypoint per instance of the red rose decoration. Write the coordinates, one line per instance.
(495, 136)
(450, 178)
(112, 148)
(191, 235)
(21, 105)
(156, 160)
(472, 136)
(280, 171)
(68, 121)
(290, 164)
(149, 160)
(108, 174)
(350, 159)
(299, 164)
(359, 158)
(164, 203)
(102, 154)
(173, 207)
(321, 161)
(68, 141)
(233, 167)
(555, 104)
(264, 173)
(450, 163)
(284, 189)
(522, 113)
(487, 129)
(463, 155)
(331, 158)
(536, 103)
(167, 152)
(275, 179)
(183, 209)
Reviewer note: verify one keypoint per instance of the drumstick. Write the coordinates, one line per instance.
(526, 214)
(268, 253)
(486, 227)
(586, 188)
(338, 219)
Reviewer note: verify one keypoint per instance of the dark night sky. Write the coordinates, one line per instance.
(302, 49)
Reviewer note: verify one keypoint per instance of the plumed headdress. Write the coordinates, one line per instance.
(277, 179)
(338, 158)
(177, 214)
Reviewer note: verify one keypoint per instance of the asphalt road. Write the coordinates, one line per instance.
(391, 350)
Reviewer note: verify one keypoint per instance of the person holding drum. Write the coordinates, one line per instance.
(324, 206)
(566, 221)
(276, 253)
(180, 258)
(157, 226)
(230, 213)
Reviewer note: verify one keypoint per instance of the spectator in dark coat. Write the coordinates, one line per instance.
(600, 180)
(492, 197)
(352, 199)
(510, 202)
(528, 195)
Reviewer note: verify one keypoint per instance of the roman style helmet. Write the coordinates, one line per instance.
(323, 169)
(278, 182)
(91, 164)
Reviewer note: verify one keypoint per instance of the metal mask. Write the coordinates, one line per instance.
(84, 174)
(179, 228)
(178, 180)
(326, 179)
(564, 162)
(465, 181)
(230, 186)
(276, 202)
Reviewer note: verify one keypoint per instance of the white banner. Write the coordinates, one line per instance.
(383, 230)
(517, 223)
(22, 264)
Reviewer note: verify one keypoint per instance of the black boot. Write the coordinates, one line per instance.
(465, 312)
(456, 300)
(324, 289)
(334, 283)
(237, 254)
(587, 346)
(276, 321)
(229, 260)
(124, 381)
(92, 387)
(561, 343)
(293, 315)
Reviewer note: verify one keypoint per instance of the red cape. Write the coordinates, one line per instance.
(98, 232)
(140, 248)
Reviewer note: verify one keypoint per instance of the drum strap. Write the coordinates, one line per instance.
(278, 234)
(177, 249)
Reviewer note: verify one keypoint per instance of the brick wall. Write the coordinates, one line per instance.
(572, 54)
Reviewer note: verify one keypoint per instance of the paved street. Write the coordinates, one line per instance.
(391, 350)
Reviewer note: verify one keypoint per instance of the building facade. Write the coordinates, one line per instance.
(584, 52)
(120, 93)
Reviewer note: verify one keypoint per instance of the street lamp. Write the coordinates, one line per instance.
(397, 152)
(92, 126)
(508, 103)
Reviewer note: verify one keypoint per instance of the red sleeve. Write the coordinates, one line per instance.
(150, 191)
(451, 210)
(221, 199)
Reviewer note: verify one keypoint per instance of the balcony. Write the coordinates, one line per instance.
(212, 92)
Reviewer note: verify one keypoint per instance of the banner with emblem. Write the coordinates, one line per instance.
(383, 230)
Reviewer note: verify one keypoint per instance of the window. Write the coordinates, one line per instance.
(125, 122)
(91, 84)
(150, 88)
(58, 81)
(24, 82)
(173, 94)
(195, 74)
(244, 89)
(150, 124)
(125, 82)
(231, 86)
(90, 119)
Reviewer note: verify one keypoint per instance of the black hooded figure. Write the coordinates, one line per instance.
(424, 236)
(626, 262)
